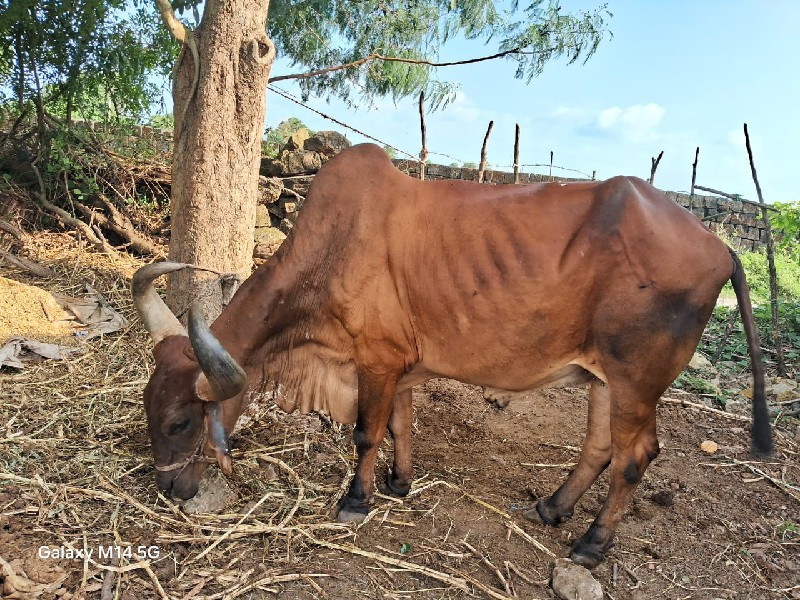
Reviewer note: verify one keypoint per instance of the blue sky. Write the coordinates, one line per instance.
(676, 75)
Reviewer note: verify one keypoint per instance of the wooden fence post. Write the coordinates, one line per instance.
(516, 154)
(773, 276)
(423, 154)
(654, 166)
(694, 179)
(482, 166)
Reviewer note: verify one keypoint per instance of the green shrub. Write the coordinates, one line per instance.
(786, 225)
(787, 268)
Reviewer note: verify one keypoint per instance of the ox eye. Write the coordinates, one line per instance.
(178, 427)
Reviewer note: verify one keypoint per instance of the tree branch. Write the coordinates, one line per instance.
(413, 61)
(175, 27)
(184, 35)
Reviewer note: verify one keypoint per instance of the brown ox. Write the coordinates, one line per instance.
(388, 281)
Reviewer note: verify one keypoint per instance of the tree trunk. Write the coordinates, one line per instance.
(219, 120)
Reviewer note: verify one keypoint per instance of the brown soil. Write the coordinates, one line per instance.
(75, 470)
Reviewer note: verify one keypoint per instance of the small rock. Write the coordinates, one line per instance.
(574, 582)
(213, 496)
(784, 390)
(328, 143)
(270, 188)
(268, 235)
(709, 447)
(262, 216)
(296, 140)
(664, 498)
(699, 362)
(286, 226)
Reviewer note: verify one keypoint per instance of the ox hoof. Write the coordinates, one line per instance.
(589, 554)
(587, 559)
(546, 515)
(349, 512)
(397, 487)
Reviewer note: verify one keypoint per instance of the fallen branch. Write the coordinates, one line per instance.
(119, 224)
(456, 582)
(731, 196)
(697, 406)
(12, 230)
(27, 265)
(785, 486)
(489, 564)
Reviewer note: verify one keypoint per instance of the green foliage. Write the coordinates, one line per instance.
(277, 136)
(324, 33)
(96, 58)
(692, 383)
(392, 152)
(786, 225)
(756, 268)
(90, 58)
(162, 121)
(735, 350)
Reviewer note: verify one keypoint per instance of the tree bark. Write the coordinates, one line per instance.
(219, 119)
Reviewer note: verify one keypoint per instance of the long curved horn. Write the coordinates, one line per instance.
(155, 315)
(222, 377)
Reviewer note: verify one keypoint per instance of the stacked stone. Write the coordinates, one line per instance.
(284, 183)
(741, 220)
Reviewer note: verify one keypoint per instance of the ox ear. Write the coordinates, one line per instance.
(155, 315)
(222, 377)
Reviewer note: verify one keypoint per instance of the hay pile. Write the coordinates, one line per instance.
(31, 312)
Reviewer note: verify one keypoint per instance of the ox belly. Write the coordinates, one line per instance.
(570, 375)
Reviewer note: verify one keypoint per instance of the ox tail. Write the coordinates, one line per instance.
(761, 431)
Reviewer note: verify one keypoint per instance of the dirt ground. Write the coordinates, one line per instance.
(76, 473)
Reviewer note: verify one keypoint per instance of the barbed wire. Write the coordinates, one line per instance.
(292, 98)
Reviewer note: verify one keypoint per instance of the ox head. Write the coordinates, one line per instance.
(183, 398)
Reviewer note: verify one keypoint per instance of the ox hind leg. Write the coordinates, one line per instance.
(399, 480)
(634, 446)
(595, 457)
(375, 403)
(639, 362)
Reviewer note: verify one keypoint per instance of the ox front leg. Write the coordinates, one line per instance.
(595, 457)
(375, 401)
(399, 480)
(634, 446)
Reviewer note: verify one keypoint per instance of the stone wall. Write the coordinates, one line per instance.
(133, 137)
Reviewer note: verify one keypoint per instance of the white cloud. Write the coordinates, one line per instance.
(635, 123)
(570, 113)
(462, 109)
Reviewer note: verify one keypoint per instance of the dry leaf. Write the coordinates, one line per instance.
(94, 312)
(10, 353)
